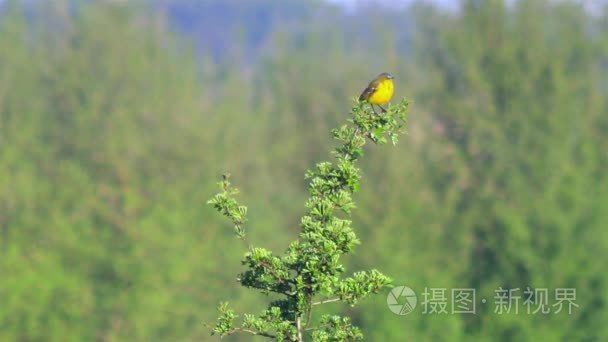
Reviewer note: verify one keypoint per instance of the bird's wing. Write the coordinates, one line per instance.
(369, 91)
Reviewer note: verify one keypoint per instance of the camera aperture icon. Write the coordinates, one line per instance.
(401, 300)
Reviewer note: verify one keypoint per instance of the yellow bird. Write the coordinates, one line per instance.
(379, 91)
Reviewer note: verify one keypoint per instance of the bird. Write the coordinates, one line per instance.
(379, 91)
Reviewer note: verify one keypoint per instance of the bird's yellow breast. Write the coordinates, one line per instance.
(383, 94)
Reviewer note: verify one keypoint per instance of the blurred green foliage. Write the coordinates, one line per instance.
(113, 131)
(310, 272)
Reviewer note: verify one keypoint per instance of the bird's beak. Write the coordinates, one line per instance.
(390, 77)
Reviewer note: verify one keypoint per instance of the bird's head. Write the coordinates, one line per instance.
(385, 76)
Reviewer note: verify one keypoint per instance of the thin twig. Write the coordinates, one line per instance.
(327, 301)
(317, 327)
(299, 326)
(272, 271)
(253, 332)
(308, 315)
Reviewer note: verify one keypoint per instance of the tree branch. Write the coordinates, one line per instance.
(299, 326)
(253, 332)
(328, 301)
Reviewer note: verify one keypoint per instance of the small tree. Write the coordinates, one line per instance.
(308, 273)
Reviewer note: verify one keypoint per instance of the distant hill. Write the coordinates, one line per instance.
(223, 27)
(228, 25)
